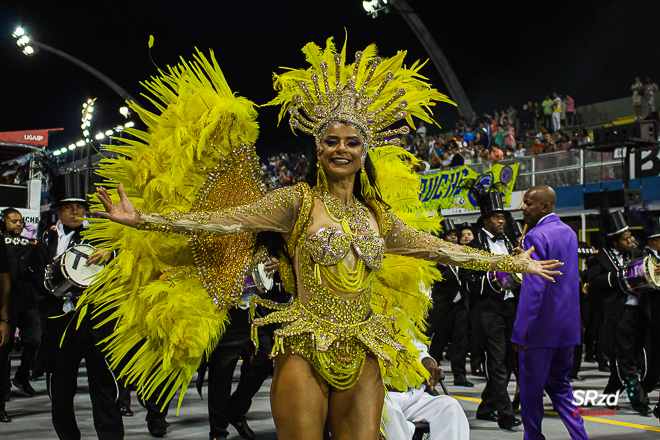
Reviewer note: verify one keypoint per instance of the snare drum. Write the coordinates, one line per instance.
(638, 276)
(69, 271)
(505, 281)
(259, 280)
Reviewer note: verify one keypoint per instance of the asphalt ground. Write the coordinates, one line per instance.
(32, 419)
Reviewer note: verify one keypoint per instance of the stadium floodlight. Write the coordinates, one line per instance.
(63, 150)
(109, 132)
(80, 143)
(373, 7)
(86, 133)
(57, 153)
(124, 111)
(119, 128)
(29, 50)
(99, 136)
(23, 41)
(129, 124)
(18, 33)
(72, 147)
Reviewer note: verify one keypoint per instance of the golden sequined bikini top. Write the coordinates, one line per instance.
(328, 246)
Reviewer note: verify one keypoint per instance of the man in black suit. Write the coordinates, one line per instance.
(652, 249)
(627, 314)
(449, 315)
(5, 333)
(25, 260)
(65, 354)
(493, 312)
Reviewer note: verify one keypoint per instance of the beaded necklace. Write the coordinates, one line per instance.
(353, 218)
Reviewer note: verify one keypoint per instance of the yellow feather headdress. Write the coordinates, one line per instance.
(368, 94)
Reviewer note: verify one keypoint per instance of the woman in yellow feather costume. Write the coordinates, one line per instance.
(351, 256)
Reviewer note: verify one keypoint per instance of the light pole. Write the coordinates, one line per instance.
(456, 92)
(30, 47)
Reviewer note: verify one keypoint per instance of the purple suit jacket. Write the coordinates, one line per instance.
(549, 313)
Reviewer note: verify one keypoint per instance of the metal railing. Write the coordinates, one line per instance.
(560, 168)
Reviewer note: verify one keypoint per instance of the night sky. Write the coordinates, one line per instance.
(503, 54)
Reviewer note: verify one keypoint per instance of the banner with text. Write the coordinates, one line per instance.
(443, 189)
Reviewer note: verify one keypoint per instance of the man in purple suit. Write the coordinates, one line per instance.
(547, 326)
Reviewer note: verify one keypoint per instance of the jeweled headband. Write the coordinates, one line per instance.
(367, 94)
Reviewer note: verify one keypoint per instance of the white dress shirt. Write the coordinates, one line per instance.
(498, 247)
(632, 299)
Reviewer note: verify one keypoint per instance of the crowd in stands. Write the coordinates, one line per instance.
(534, 128)
(284, 170)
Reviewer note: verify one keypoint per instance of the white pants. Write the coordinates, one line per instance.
(556, 121)
(446, 418)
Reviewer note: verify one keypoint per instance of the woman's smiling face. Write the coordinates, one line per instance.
(342, 151)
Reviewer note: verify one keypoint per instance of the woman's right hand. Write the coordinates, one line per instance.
(123, 213)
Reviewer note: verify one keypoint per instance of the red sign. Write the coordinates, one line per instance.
(29, 137)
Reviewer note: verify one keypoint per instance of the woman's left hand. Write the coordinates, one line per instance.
(541, 268)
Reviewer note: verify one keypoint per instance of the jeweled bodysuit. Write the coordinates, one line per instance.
(336, 251)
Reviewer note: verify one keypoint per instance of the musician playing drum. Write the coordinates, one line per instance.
(652, 249)
(80, 342)
(626, 313)
(493, 311)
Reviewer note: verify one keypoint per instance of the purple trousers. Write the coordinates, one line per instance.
(547, 368)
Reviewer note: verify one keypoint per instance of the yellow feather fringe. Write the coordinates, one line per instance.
(151, 287)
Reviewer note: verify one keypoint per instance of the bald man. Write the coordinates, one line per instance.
(547, 327)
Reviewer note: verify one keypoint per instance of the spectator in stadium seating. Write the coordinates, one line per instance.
(495, 153)
(537, 147)
(484, 157)
(549, 143)
(498, 136)
(563, 111)
(637, 97)
(520, 150)
(570, 110)
(649, 102)
(509, 137)
(547, 111)
(446, 161)
(421, 130)
(583, 137)
(456, 158)
(556, 112)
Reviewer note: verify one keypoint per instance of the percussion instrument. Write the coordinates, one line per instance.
(68, 271)
(505, 281)
(638, 276)
(258, 280)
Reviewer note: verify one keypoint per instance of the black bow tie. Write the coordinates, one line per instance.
(499, 237)
(67, 229)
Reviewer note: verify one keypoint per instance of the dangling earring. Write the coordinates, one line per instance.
(321, 180)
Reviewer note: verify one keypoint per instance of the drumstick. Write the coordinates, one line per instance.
(522, 236)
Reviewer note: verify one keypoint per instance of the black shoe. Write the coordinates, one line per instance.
(644, 410)
(589, 358)
(243, 429)
(36, 375)
(463, 383)
(24, 387)
(126, 411)
(656, 411)
(509, 423)
(157, 428)
(478, 372)
(491, 417)
(576, 377)
(4, 418)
